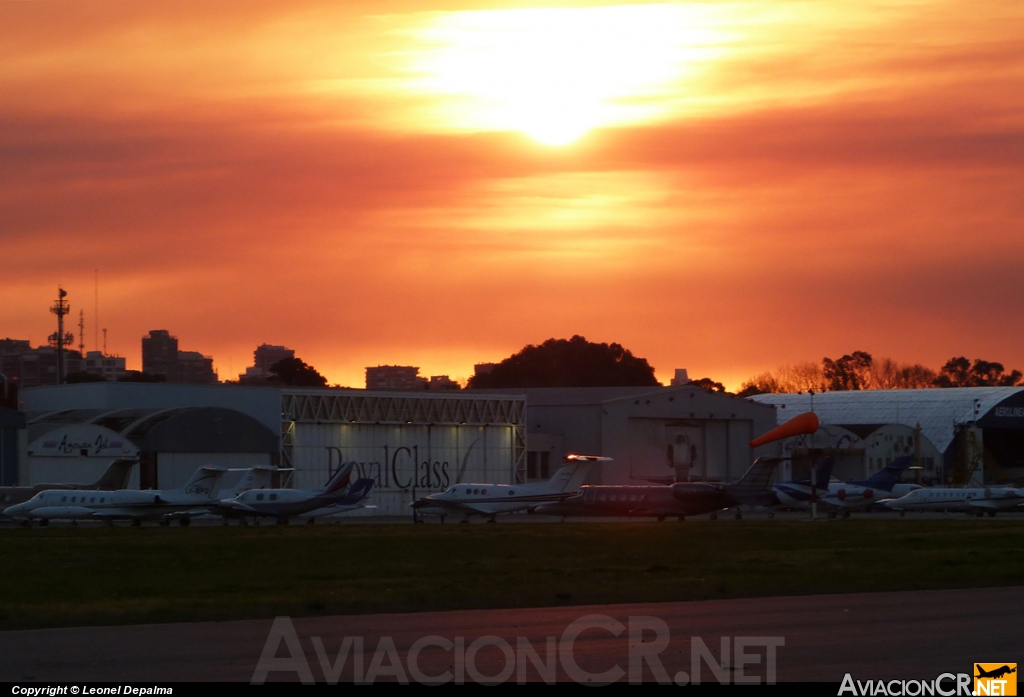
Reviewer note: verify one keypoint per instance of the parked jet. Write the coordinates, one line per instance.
(123, 504)
(977, 501)
(116, 477)
(676, 501)
(491, 499)
(843, 497)
(801, 493)
(847, 496)
(336, 497)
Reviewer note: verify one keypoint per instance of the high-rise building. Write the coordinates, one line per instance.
(395, 377)
(34, 367)
(160, 354)
(195, 368)
(264, 358)
(110, 367)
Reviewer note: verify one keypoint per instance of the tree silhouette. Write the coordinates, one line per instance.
(295, 372)
(851, 372)
(575, 362)
(960, 372)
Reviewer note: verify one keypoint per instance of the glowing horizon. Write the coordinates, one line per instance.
(724, 187)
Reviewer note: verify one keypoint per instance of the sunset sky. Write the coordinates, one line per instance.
(721, 186)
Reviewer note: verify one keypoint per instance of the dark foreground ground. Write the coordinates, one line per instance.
(916, 635)
(60, 577)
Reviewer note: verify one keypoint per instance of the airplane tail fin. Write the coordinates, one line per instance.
(823, 472)
(889, 476)
(254, 478)
(116, 477)
(339, 480)
(205, 483)
(361, 489)
(570, 476)
(758, 475)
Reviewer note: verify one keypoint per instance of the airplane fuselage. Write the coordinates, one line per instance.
(678, 500)
(489, 499)
(940, 498)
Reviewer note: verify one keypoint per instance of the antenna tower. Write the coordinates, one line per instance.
(104, 341)
(59, 338)
(81, 332)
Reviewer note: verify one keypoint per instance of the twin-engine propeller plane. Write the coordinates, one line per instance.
(124, 504)
(489, 500)
(337, 496)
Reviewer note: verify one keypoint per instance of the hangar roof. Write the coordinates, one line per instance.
(939, 411)
(187, 429)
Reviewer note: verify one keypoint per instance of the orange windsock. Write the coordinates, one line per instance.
(798, 425)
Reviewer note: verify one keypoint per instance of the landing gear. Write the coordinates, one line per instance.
(282, 520)
(74, 523)
(442, 519)
(185, 522)
(491, 520)
(136, 523)
(311, 521)
(464, 520)
(714, 516)
(991, 514)
(771, 515)
(739, 515)
(831, 514)
(846, 514)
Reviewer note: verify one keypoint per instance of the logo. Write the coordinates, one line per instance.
(995, 679)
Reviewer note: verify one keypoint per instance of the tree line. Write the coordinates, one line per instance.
(860, 371)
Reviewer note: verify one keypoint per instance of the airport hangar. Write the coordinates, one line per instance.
(411, 443)
(956, 434)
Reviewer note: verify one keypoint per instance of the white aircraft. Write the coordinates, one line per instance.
(843, 497)
(116, 477)
(336, 497)
(491, 499)
(977, 501)
(124, 504)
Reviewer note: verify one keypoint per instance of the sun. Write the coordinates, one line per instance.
(555, 74)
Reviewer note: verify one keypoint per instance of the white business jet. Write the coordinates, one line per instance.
(491, 499)
(124, 504)
(977, 501)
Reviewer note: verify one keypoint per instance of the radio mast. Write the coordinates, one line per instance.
(59, 338)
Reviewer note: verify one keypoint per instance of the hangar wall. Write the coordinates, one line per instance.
(410, 444)
(652, 433)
